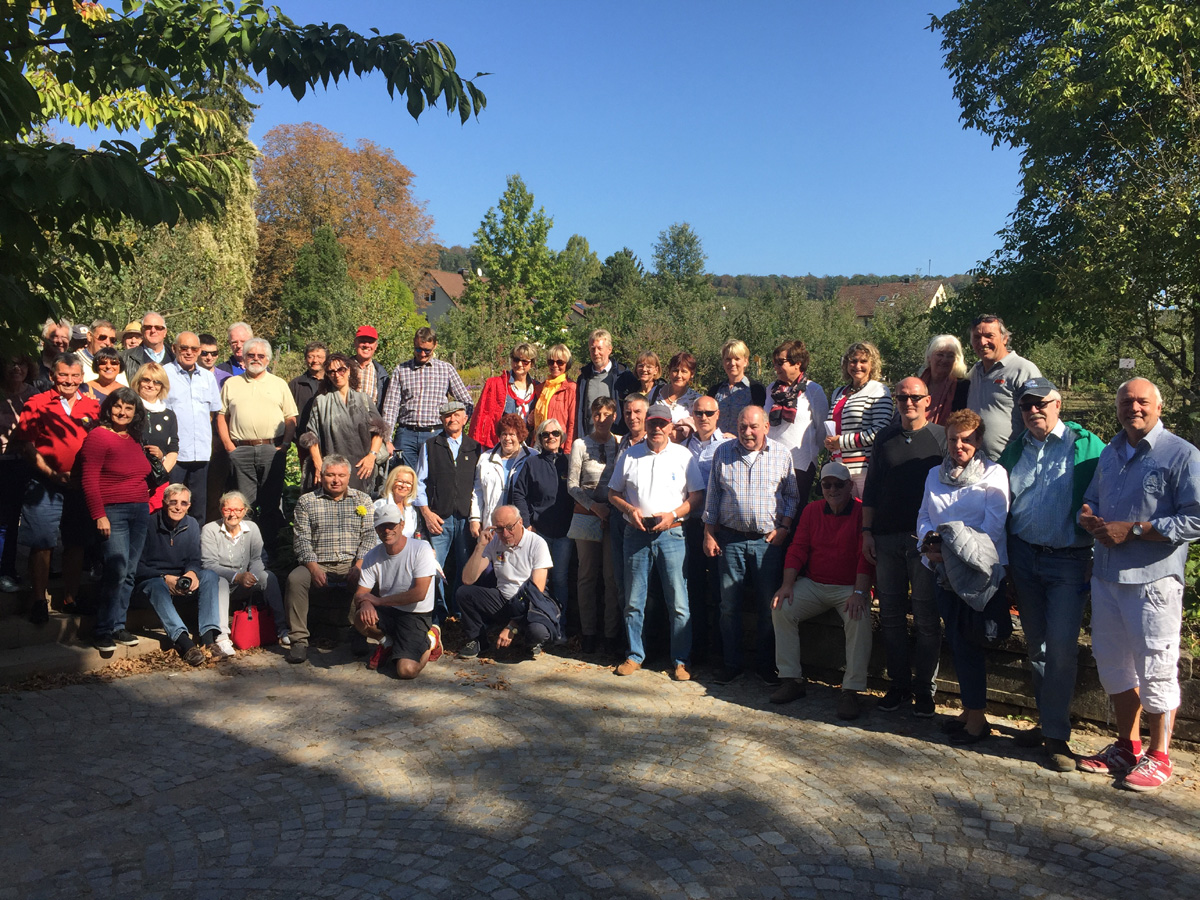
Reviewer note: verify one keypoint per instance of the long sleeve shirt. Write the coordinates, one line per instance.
(982, 506)
(417, 390)
(589, 469)
(827, 546)
(751, 491)
(114, 470)
(170, 549)
(333, 531)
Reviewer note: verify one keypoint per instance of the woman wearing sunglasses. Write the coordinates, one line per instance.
(554, 398)
(345, 422)
(110, 375)
(510, 392)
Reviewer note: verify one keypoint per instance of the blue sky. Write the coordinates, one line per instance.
(795, 137)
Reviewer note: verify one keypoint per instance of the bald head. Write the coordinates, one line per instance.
(1139, 407)
(912, 402)
(705, 412)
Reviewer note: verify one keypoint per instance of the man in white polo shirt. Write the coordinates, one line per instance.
(394, 600)
(517, 555)
(655, 486)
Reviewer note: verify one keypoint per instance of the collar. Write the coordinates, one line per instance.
(417, 364)
(1149, 440)
(320, 492)
(743, 452)
(194, 370)
(225, 531)
(165, 525)
(603, 371)
(998, 364)
(1056, 432)
(744, 382)
(828, 510)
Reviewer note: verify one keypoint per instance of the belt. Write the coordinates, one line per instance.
(751, 535)
(422, 428)
(1039, 548)
(257, 442)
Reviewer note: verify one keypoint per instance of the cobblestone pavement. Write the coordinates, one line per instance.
(544, 779)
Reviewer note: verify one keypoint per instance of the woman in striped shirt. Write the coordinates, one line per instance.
(861, 409)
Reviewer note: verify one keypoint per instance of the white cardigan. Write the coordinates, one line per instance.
(982, 505)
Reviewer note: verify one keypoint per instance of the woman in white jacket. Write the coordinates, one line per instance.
(496, 470)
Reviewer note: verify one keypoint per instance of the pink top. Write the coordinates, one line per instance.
(114, 470)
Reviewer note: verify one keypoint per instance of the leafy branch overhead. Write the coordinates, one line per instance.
(140, 69)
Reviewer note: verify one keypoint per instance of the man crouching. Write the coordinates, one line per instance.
(394, 600)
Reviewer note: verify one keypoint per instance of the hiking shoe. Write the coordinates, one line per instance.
(383, 652)
(125, 638)
(893, 700)
(726, 674)
(435, 653)
(104, 643)
(1148, 774)
(222, 647)
(470, 651)
(791, 689)
(849, 706)
(297, 653)
(1028, 739)
(1059, 757)
(924, 707)
(681, 673)
(1112, 760)
(628, 667)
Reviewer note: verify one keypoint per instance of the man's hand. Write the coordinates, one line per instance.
(1112, 533)
(665, 520)
(711, 547)
(782, 596)
(777, 537)
(318, 574)
(433, 522)
(868, 548)
(856, 605)
(474, 527)
(485, 535)
(367, 613)
(1089, 521)
(505, 638)
(636, 515)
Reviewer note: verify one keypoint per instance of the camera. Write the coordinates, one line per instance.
(649, 522)
(184, 585)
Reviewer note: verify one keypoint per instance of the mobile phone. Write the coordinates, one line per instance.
(649, 522)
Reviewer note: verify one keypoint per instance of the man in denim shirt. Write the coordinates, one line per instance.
(1143, 509)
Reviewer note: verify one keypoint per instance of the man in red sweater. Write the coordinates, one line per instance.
(51, 430)
(825, 569)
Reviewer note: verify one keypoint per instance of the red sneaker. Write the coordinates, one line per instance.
(1112, 760)
(383, 652)
(1148, 774)
(436, 653)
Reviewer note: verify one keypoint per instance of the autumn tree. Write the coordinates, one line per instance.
(309, 179)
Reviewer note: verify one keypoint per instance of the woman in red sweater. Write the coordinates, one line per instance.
(114, 469)
(510, 392)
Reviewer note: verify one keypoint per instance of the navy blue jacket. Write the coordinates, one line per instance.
(539, 493)
(170, 551)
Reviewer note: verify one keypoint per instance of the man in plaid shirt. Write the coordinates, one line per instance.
(748, 512)
(417, 389)
(334, 529)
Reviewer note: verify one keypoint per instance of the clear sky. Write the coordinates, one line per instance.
(795, 136)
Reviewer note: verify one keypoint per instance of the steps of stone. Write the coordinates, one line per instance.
(20, 663)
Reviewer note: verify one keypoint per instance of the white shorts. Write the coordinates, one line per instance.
(1135, 639)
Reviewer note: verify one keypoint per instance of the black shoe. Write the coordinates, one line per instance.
(770, 676)
(1028, 739)
(964, 738)
(1059, 757)
(125, 638)
(953, 726)
(470, 651)
(587, 645)
(39, 614)
(297, 653)
(358, 644)
(209, 637)
(893, 700)
(104, 643)
(726, 674)
(924, 707)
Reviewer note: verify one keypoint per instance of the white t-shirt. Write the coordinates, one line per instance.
(514, 565)
(656, 482)
(383, 574)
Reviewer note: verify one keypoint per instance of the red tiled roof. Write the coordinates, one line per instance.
(866, 297)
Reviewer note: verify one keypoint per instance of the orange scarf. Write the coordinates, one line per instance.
(541, 409)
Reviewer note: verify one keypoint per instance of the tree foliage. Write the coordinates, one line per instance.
(580, 267)
(1101, 101)
(317, 294)
(140, 67)
(679, 255)
(308, 179)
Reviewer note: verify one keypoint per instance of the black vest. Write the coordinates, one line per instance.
(449, 482)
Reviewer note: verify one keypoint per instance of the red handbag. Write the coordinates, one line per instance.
(253, 627)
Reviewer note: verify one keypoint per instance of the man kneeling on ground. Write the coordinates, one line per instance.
(394, 600)
(517, 555)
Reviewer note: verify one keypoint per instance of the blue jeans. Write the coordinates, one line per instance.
(163, 601)
(1051, 592)
(645, 551)
(560, 553)
(128, 523)
(743, 557)
(455, 536)
(409, 443)
(898, 566)
(969, 659)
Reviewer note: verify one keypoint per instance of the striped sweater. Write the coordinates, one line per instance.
(865, 414)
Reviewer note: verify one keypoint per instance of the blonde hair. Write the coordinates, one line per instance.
(559, 351)
(943, 342)
(735, 347)
(390, 485)
(156, 372)
(872, 353)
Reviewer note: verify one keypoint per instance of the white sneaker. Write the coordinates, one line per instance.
(223, 647)
(284, 640)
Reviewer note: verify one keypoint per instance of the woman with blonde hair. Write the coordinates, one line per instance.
(554, 398)
(862, 407)
(161, 434)
(738, 391)
(945, 374)
(399, 490)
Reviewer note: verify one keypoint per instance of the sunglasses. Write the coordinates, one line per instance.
(256, 356)
(105, 338)
(832, 485)
(705, 412)
(551, 434)
(154, 328)
(556, 362)
(422, 351)
(341, 370)
(1028, 405)
(517, 361)
(508, 529)
(105, 363)
(178, 503)
(209, 352)
(910, 398)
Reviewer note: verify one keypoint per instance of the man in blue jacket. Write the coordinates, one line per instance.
(1050, 465)
(170, 569)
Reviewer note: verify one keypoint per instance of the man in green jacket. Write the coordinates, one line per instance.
(1050, 465)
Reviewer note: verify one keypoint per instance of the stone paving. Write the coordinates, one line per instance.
(546, 779)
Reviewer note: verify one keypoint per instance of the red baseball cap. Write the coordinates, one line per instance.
(368, 332)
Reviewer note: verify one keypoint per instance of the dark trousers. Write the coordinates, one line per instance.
(480, 607)
(258, 473)
(194, 476)
(704, 592)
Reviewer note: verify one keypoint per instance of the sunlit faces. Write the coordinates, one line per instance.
(122, 415)
(600, 351)
(315, 360)
(60, 340)
(858, 369)
(233, 512)
(735, 366)
(335, 479)
(988, 341)
(154, 331)
(454, 422)
(67, 378)
(635, 416)
(423, 350)
(961, 445)
(508, 526)
(787, 372)
(647, 371)
(403, 489)
(551, 439)
(941, 363)
(603, 419)
(681, 377)
(208, 355)
(101, 336)
(237, 340)
(148, 388)
(752, 429)
(364, 348)
(509, 443)
(1138, 407)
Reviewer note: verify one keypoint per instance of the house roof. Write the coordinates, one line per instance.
(450, 282)
(867, 297)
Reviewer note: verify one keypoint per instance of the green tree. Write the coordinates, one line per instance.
(678, 254)
(317, 298)
(139, 69)
(580, 267)
(389, 305)
(1101, 101)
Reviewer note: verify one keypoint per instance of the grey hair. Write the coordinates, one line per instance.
(173, 489)
(257, 342)
(334, 459)
(51, 326)
(103, 323)
(235, 325)
(1157, 392)
(234, 495)
(549, 425)
(942, 341)
(516, 512)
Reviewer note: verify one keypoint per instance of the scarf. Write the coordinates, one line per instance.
(941, 398)
(961, 476)
(783, 400)
(541, 409)
(520, 403)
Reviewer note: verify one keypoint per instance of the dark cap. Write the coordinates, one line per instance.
(1037, 387)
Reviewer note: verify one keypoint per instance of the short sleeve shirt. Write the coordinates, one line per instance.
(256, 407)
(514, 565)
(384, 574)
(656, 482)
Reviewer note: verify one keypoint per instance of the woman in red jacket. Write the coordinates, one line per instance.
(555, 397)
(511, 392)
(114, 469)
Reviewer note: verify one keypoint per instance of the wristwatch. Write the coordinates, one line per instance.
(1137, 530)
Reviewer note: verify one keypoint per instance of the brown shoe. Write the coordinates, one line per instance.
(628, 667)
(849, 707)
(682, 674)
(791, 689)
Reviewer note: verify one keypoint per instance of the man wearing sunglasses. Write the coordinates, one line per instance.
(1050, 465)
(153, 347)
(195, 399)
(101, 334)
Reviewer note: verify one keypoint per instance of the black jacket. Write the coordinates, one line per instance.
(450, 482)
(137, 357)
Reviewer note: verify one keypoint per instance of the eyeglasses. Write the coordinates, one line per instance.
(105, 363)
(508, 529)
(422, 351)
(154, 328)
(184, 348)
(209, 352)
(1028, 405)
(105, 338)
(555, 362)
(779, 362)
(831, 484)
(910, 398)
(255, 355)
(341, 370)
(517, 361)
(551, 434)
(178, 503)
(705, 413)
(233, 509)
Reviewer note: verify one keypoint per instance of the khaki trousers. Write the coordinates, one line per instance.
(811, 599)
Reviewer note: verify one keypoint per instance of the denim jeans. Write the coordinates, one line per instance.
(128, 523)
(644, 553)
(745, 557)
(969, 659)
(898, 566)
(560, 554)
(456, 536)
(1051, 592)
(163, 602)
(409, 442)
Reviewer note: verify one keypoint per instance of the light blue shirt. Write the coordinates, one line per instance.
(194, 397)
(1042, 483)
(1160, 484)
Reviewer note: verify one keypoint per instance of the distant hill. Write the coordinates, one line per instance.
(818, 287)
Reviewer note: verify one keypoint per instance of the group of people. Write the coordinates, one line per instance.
(948, 496)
